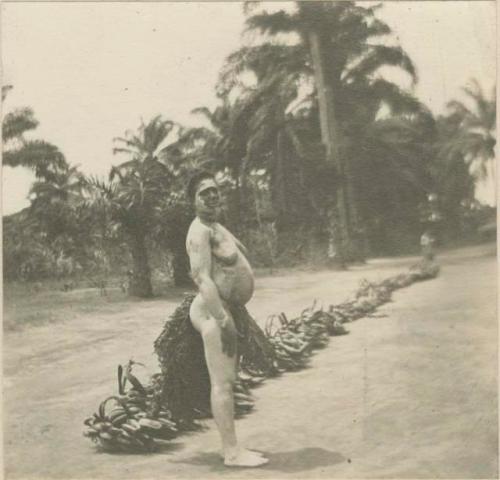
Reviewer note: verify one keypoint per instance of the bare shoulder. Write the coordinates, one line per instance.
(197, 235)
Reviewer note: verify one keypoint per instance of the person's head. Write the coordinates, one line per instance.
(203, 193)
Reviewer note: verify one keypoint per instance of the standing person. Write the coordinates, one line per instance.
(225, 281)
(427, 242)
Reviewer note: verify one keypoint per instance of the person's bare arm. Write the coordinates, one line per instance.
(200, 257)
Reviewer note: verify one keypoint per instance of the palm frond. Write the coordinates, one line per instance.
(458, 108)
(378, 56)
(204, 111)
(128, 151)
(475, 92)
(273, 23)
(5, 90)
(16, 123)
(396, 98)
(37, 155)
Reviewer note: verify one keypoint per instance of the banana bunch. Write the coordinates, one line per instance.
(291, 345)
(338, 314)
(383, 294)
(273, 324)
(243, 401)
(315, 328)
(364, 288)
(249, 378)
(118, 429)
(403, 280)
(130, 426)
(291, 351)
(376, 294)
(334, 326)
(356, 309)
(424, 270)
(364, 306)
(127, 426)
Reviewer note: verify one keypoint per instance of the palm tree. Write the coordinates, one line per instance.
(278, 138)
(392, 177)
(58, 186)
(136, 189)
(475, 135)
(222, 147)
(26, 252)
(55, 202)
(335, 50)
(451, 175)
(37, 155)
(214, 147)
(147, 144)
(464, 153)
(225, 140)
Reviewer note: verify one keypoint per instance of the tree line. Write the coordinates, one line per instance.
(320, 157)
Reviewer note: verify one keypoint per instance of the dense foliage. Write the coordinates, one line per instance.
(398, 169)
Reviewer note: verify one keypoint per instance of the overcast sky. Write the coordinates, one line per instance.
(90, 71)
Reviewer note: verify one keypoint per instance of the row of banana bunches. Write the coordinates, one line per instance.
(125, 423)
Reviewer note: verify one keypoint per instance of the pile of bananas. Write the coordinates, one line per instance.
(129, 425)
(291, 349)
(424, 270)
(136, 423)
(250, 379)
(294, 340)
(129, 422)
(243, 400)
(319, 325)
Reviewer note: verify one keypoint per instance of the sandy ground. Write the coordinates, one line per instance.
(409, 395)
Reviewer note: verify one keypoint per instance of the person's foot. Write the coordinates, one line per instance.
(257, 452)
(245, 458)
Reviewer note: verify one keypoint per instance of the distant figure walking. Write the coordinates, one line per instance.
(427, 244)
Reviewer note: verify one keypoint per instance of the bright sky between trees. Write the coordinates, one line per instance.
(90, 71)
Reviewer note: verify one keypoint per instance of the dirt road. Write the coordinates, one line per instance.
(410, 395)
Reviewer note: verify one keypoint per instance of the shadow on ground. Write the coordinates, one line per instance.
(293, 461)
(166, 448)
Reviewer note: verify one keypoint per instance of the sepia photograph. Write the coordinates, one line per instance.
(250, 240)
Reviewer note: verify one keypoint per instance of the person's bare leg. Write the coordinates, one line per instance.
(222, 370)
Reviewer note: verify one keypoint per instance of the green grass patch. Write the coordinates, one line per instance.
(31, 304)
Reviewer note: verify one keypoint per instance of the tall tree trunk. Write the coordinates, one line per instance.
(140, 282)
(235, 210)
(243, 198)
(279, 183)
(239, 205)
(338, 214)
(357, 251)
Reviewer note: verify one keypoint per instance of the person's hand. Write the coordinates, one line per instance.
(228, 336)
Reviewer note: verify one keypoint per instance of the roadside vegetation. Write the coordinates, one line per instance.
(358, 171)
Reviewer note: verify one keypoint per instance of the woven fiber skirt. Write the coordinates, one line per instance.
(184, 386)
